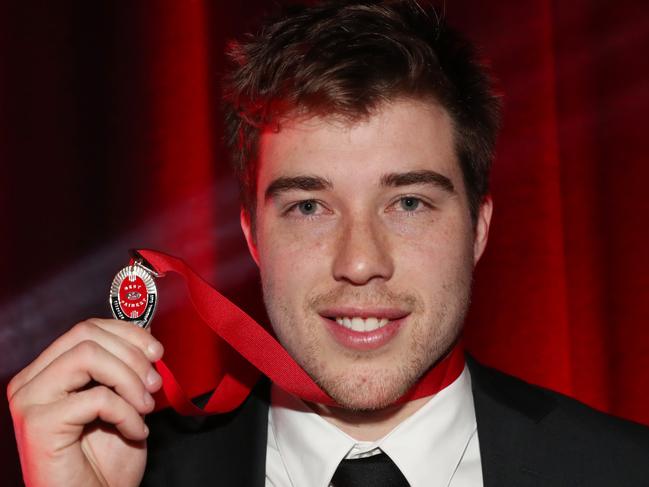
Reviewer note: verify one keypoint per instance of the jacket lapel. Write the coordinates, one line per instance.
(509, 415)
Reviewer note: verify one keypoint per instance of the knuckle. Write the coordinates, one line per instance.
(88, 349)
(102, 395)
(16, 404)
(84, 329)
(138, 336)
(19, 404)
(135, 359)
(12, 387)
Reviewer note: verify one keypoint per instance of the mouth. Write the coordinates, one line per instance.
(363, 329)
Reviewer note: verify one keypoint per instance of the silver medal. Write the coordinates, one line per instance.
(133, 294)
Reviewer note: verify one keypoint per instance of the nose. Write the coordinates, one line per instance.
(362, 253)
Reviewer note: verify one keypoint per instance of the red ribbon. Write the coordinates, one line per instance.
(262, 353)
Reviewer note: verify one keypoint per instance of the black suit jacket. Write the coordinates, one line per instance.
(528, 436)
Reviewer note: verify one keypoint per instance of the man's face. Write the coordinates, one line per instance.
(366, 247)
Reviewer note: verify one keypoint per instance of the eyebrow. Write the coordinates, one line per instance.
(304, 183)
(316, 183)
(418, 177)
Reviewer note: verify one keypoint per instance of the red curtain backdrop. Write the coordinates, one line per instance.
(110, 138)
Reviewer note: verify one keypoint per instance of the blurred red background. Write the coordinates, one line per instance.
(110, 138)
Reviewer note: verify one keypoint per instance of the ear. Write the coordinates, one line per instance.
(246, 226)
(482, 228)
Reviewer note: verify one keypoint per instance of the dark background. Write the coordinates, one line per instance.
(110, 138)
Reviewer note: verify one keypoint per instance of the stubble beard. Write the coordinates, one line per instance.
(366, 387)
(360, 384)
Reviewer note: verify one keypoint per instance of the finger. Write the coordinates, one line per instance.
(65, 419)
(100, 402)
(75, 368)
(135, 335)
(120, 338)
(127, 342)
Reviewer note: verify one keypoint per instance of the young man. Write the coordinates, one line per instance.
(363, 136)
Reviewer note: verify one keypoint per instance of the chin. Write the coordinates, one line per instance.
(367, 392)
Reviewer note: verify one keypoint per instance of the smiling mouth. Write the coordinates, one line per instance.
(364, 329)
(363, 319)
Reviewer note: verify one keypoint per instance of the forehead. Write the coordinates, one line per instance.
(403, 135)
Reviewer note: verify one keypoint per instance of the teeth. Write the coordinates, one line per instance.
(358, 324)
(362, 324)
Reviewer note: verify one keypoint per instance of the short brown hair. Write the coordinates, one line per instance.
(346, 59)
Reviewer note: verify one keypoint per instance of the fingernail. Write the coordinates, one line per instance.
(152, 378)
(146, 430)
(155, 350)
(148, 400)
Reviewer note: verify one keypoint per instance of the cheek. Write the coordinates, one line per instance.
(290, 256)
(412, 229)
(438, 260)
(438, 240)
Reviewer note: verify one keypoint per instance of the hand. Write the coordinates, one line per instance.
(78, 408)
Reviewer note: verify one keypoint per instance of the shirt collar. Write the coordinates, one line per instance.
(427, 447)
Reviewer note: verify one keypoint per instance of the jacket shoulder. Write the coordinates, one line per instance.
(553, 436)
(230, 448)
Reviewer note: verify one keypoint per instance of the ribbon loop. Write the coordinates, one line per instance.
(261, 352)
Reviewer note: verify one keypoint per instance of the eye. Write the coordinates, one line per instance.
(307, 207)
(409, 203)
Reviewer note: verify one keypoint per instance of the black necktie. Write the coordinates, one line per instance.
(375, 471)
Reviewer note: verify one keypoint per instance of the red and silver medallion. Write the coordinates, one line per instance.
(133, 295)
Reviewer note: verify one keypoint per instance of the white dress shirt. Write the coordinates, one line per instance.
(436, 446)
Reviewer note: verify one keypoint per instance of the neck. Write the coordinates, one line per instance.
(369, 425)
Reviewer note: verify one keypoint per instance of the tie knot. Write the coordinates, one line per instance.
(375, 471)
